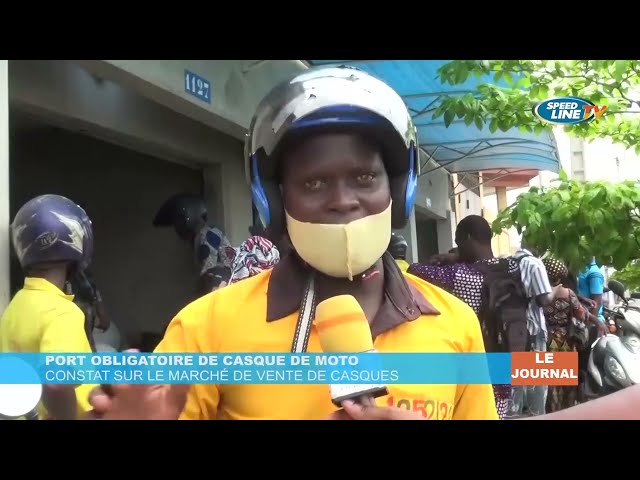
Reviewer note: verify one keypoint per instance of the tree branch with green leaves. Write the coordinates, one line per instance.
(629, 276)
(578, 220)
(614, 83)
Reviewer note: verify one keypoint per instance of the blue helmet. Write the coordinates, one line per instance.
(52, 228)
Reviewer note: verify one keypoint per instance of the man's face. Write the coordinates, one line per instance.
(334, 179)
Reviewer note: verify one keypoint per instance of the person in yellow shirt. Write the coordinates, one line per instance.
(332, 161)
(53, 240)
(398, 250)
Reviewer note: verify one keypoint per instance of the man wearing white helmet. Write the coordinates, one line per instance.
(332, 161)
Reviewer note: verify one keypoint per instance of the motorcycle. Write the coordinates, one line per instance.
(614, 362)
(611, 316)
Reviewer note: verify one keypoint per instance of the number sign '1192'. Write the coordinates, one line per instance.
(197, 86)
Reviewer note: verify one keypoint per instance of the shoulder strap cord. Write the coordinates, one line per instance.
(305, 318)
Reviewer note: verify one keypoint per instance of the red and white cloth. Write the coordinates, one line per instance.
(253, 256)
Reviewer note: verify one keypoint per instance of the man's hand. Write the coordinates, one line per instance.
(138, 402)
(604, 329)
(103, 324)
(354, 411)
(103, 321)
(590, 304)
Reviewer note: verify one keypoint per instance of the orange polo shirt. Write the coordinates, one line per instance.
(260, 314)
(42, 318)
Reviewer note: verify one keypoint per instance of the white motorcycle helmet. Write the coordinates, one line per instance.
(109, 340)
(330, 99)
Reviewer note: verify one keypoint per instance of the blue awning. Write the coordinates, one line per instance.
(458, 148)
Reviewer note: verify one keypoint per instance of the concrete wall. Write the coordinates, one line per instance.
(446, 232)
(65, 94)
(146, 274)
(433, 190)
(433, 203)
(410, 234)
(236, 85)
(428, 243)
(468, 203)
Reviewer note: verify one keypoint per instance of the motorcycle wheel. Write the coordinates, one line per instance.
(588, 391)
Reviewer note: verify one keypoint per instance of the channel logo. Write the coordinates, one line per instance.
(567, 111)
(19, 400)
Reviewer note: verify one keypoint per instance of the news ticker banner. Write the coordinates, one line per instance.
(531, 368)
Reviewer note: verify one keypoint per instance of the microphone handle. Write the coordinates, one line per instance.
(362, 394)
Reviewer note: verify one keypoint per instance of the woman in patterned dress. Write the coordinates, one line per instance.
(559, 314)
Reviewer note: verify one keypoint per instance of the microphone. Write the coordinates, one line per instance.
(343, 328)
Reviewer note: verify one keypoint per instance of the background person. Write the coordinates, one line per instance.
(591, 286)
(53, 241)
(532, 399)
(253, 256)
(187, 214)
(564, 316)
(398, 249)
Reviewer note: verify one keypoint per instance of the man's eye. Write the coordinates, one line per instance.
(313, 184)
(366, 178)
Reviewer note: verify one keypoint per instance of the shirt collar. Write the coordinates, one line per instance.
(402, 302)
(38, 283)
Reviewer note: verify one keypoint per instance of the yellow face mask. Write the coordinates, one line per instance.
(342, 250)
